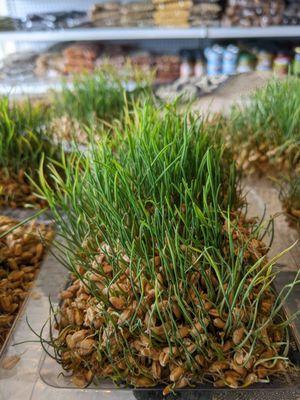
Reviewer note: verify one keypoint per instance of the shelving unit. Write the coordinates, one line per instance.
(106, 34)
(89, 34)
(253, 32)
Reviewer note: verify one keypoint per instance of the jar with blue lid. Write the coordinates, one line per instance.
(214, 57)
(230, 59)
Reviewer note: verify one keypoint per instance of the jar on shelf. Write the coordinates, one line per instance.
(281, 64)
(245, 63)
(199, 68)
(230, 58)
(296, 64)
(264, 61)
(187, 65)
(214, 57)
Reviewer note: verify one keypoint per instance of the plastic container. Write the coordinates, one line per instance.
(245, 63)
(38, 377)
(296, 64)
(214, 57)
(230, 59)
(281, 64)
(199, 69)
(50, 371)
(186, 66)
(264, 61)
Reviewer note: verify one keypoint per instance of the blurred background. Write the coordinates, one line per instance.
(41, 41)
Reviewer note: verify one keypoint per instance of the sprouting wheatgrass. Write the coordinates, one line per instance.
(95, 99)
(290, 195)
(264, 135)
(23, 142)
(171, 283)
(267, 128)
(21, 133)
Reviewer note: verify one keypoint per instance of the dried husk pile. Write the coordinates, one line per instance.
(17, 191)
(66, 128)
(290, 197)
(171, 284)
(21, 252)
(264, 160)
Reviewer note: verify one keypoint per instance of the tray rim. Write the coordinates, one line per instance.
(261, 387)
